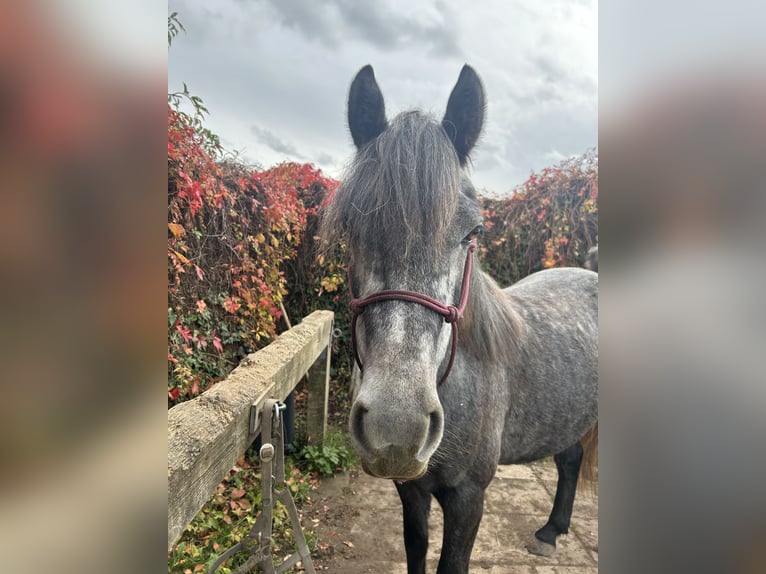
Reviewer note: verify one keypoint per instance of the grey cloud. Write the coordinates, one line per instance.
(326, 159)
(198, 21)
(274, 142)
(559, 79)
(333, 21)
(539, 141)
(488, 161)
(290, 62)
(550, 69)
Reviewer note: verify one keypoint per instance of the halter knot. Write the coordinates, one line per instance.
(357, 306)
(452, 314)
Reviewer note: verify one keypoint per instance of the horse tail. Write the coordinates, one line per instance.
(589, 465)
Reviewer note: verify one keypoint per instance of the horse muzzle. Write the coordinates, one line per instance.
(394, 468)
(395, 441)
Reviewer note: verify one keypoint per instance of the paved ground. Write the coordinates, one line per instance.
(357, 521)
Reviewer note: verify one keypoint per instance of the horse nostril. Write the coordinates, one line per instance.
(358, 412)
(434, 436)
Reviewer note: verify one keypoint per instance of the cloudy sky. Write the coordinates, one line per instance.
(275, 74)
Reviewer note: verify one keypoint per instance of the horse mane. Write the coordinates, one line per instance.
(490, 327)
(401, 188)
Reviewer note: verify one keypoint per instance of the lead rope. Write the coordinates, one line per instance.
(273, 487)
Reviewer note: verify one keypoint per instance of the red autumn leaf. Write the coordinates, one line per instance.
(217, 344)
(174, 394)
(230, 305)
(237, 493)
(185, 333)
(200, 274)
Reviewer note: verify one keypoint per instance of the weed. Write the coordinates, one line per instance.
(334, 456)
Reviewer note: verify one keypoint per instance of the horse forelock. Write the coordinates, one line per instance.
(400, 190)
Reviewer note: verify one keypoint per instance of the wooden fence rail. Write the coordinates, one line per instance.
(207, 435)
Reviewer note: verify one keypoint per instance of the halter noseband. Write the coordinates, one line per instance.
(450, 313)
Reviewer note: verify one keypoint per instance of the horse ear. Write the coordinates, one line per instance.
(366, 110)
(464, 117)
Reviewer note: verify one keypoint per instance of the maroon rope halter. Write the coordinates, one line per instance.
(450, 313)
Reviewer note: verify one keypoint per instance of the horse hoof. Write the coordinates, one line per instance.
(541, 548)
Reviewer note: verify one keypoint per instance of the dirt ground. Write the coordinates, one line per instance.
(357, 522)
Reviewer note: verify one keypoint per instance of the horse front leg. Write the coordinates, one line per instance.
(463, 507)
(568, 465)
(416, 505)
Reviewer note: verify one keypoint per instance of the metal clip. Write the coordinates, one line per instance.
(255, 415)
(278, 408)
(267, 452)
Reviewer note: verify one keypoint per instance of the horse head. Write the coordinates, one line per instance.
(408, 214)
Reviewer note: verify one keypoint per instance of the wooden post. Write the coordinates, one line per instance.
(318, 388)
(207, 434)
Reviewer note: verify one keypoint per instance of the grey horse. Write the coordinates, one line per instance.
(454, 375)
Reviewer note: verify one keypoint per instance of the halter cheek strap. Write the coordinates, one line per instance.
(450, 313)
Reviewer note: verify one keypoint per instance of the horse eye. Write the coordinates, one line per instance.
(478, 230)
